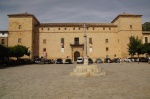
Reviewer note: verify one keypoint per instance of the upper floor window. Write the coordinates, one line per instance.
(76, 40)
(3, 33)
(93, 28)
(90, 40)
(44, 41)
(41, 28)
(109, 28)
(48, 28)
(19, 40)
(44, 49)
(107, 49)
(146, 39)
(106, 40)
(103, 28)
(2, 41)
(130, 26)
(65, 28)
(79, 28)
(58, 28)
(73, 28)
(62, 42)
(19, 27)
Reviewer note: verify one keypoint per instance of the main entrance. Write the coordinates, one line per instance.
(76, 55)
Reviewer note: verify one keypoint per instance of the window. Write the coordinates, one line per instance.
(41, 28)
(3, 33)
(79, 28)
(44, 41)
(62, 42)
(93, 28)
(48, 28)
(65, 28)
(130, 26)
(58, 28)
(76, 41)
(73, 28)
(146, 39)
(106, 40)
(109, 28)
(103, 28)
(19, 40)
(90, 40)
(107, 49)
(44, 49)
(19, 27)
(2, 41)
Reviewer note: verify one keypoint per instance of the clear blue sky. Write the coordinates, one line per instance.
(47, 11)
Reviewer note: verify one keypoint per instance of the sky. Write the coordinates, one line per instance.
(73, 11)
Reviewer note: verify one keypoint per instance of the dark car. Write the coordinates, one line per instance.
(143, 59)
(90, 61)
(48, 61)
(59, 61)
(107, 60)
(98, 60)
(68, 61)
(116, 60)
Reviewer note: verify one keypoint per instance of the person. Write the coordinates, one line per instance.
(149, 60)
(138, 60)
(120, 60)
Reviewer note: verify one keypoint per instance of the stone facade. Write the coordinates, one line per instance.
(65, 40)
(4, 38)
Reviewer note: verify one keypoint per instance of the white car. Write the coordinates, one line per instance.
(127, 60)
(79, 60)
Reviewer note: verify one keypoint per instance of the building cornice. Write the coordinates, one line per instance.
(77, 25)
(125, 15)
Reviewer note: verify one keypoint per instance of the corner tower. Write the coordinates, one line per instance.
(22, 30)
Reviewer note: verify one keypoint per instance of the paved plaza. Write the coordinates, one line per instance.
(53, 81)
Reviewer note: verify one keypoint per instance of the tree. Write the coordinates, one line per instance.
(134, 46)
(146, 26)
(146, 48)
(18, 51)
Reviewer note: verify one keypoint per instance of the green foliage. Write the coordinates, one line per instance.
(3, 51)
(134, 46)
(146, 26)
(146, 48)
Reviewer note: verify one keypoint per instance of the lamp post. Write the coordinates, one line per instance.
(85, 46)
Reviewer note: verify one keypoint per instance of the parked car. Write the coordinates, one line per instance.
(116, 60)
(68, 61)
(59, 61)
(127, 60)
(48, 61)
(90, 61)
(98, 60)
(143, 59)
(107, 60)
(79, 60)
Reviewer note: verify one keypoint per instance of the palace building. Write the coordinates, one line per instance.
(66, 40)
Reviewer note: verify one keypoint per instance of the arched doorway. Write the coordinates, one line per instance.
(76, 55)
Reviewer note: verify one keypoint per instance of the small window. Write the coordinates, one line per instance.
(19, 27)
(93, 28)
(48, 28)
(107, 49)
(65, 28)
(79, 28)
(2, 41)
(3, 33)
(146, 39)
(44, 41)
(44, 49)
(103, 28)
(90, 40)
(41, 28)
(76, 41)
(58, 28)
(109, 28)
(106, 40)
(62, 42)
(19, 40)
(130, 26)
(73, 28)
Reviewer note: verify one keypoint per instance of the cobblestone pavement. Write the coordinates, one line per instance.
(52, 81)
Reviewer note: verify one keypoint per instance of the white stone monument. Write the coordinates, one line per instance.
(85, 69)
